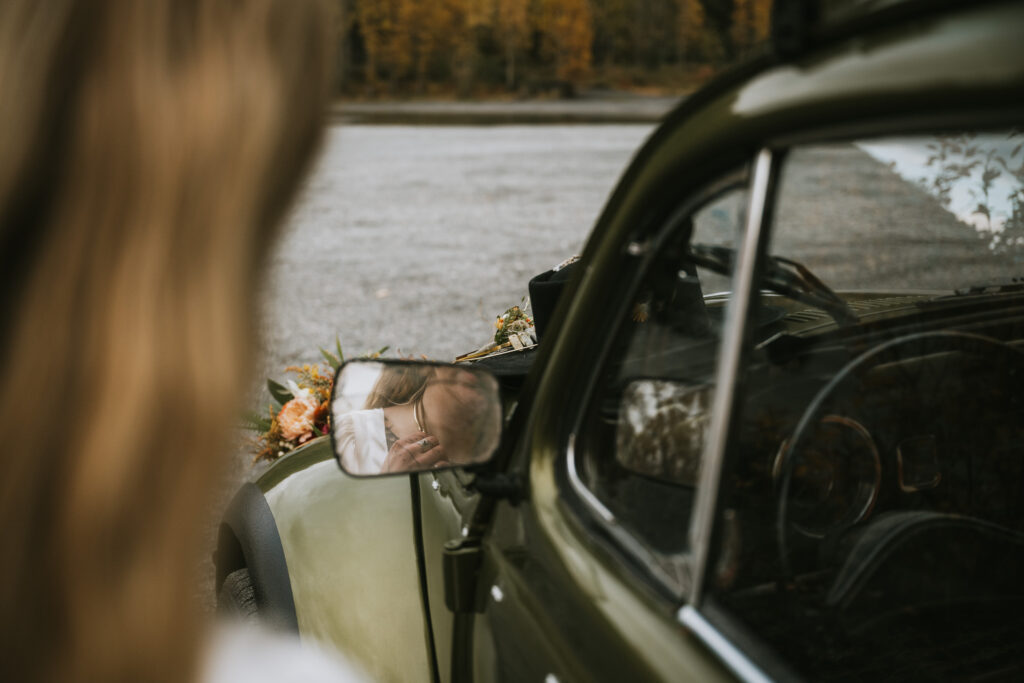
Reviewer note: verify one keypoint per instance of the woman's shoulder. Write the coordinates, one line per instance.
(356, 421)
(368, 416)
(360, 439)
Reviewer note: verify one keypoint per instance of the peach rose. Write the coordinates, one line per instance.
(296, 417)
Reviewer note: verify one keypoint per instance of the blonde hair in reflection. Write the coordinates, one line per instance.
(399, 384)
(147, 150)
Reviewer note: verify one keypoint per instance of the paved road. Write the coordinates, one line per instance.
(416, 237)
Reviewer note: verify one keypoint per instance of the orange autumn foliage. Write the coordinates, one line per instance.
(465, 46)
(568, 34)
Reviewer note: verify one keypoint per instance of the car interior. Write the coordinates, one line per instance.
(871, 516)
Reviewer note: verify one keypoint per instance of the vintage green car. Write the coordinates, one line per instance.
(774, 429)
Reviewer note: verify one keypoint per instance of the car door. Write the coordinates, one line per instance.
(446, 505)
(581, 580)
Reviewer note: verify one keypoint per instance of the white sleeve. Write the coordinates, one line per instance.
(361, 441)
(245, 654)
(345, 442)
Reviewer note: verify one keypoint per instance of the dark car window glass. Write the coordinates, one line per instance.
(642, 441)
(872, 521)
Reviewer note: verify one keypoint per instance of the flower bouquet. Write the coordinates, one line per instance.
(514, 330)
(301, 410)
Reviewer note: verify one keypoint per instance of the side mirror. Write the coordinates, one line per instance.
(398, 417)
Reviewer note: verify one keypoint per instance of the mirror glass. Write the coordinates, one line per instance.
(397, 416)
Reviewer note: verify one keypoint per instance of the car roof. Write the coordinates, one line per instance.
(824, 18)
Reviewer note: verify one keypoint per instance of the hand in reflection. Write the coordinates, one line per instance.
(414, 452)
(460, 410)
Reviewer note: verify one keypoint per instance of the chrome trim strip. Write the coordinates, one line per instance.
(672, 571)
(728, 368)
(737, 662)
(581, 490)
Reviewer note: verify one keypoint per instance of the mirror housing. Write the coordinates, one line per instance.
(402, 417)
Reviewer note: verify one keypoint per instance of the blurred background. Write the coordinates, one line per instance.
(473, 145)
(471, 48)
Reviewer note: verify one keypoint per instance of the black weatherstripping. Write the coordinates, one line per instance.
(417, 516)
(249, 538)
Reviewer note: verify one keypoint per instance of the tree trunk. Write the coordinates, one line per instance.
(510, 66)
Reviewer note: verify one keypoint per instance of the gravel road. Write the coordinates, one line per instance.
(417, 237)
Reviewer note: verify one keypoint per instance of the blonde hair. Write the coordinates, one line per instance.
(399, 384)
(147, 150)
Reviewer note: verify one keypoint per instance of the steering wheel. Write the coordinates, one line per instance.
(928, 343)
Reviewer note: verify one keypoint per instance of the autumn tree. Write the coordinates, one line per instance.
(461, 42)
(718, 15)
(613, 31)
(386, 39)
(467, 17)
(692, 30)
(512, 26)
(751, 21)
(649, 34)
(428, 26)
(349, 41)
(568, 34)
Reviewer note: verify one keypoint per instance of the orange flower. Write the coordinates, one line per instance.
(320, 414)
(296, 418)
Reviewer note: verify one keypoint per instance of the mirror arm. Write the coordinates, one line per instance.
(461, 563)
(510, 487)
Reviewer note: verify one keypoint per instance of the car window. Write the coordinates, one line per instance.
(642, 440)
(871, 522)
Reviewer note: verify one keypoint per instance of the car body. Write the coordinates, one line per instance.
(763, 430)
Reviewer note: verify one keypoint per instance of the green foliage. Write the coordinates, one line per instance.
(512, 320)
(276, 432)
(376, 354)
(279, 392)
(337, 358)
(256, 422)
(969, 161)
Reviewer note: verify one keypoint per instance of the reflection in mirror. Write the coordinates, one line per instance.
(394, 416)
(662, 429)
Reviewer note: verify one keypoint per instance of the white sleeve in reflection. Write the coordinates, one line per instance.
(361, 441)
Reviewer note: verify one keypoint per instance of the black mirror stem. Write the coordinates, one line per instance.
(510, 487)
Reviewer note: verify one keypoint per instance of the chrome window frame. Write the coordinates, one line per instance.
(762, 190)
(692, 565)
(727, 373)
(683, 570)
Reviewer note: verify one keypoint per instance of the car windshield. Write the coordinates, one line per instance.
(872, 488)
(935, 217)
(931, 213)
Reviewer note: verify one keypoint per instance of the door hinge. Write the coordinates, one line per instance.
(461, 566)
